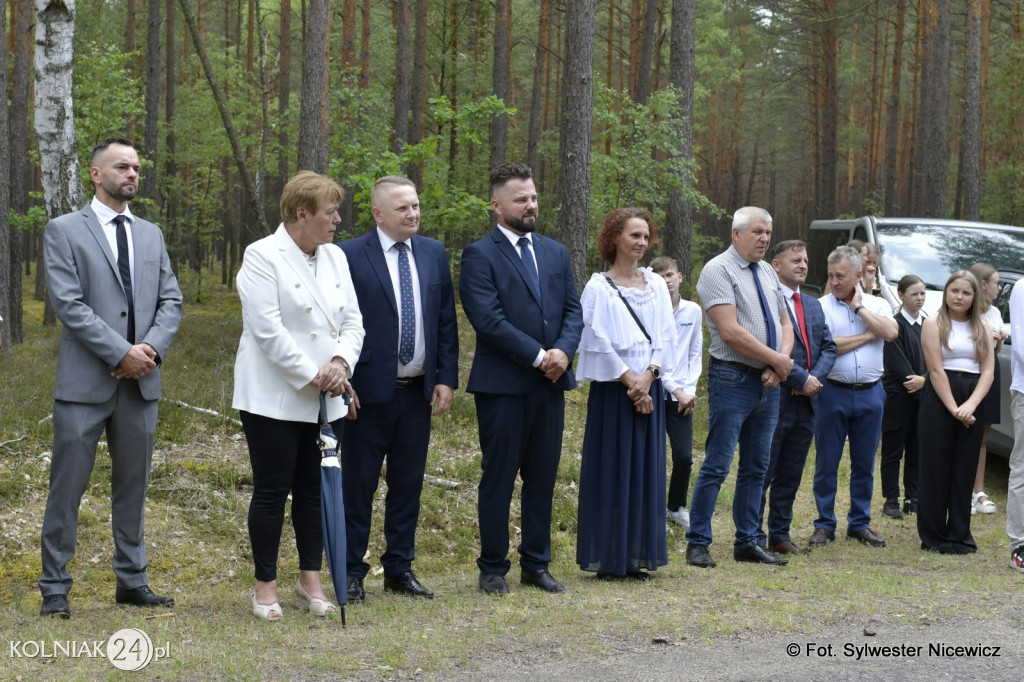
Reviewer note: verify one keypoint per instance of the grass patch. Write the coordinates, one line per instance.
(199, 550)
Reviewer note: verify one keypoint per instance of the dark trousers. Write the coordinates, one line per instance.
(949, 461)
(790, 444)
(399, 431)
(285, 459)
(900, 441)
(680, 438)
(519, 434)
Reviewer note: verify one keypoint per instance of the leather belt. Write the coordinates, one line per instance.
(855, 387)
(406, 382)
(738, 366)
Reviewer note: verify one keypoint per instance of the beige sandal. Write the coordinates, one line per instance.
(266, 611)
(318, 607)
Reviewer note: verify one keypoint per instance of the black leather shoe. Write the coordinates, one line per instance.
(866, 537)
(821, 537)
(699, 556)
(354, 589)
(891, 509)
(755, 554)
(141, 596)
(56, 605)
(493, 583)
(542, 579)
(406, 583)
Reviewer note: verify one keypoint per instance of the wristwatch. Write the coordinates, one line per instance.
(856, 311)
(343, 362)
(654, 370)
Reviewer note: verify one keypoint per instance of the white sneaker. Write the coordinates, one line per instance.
(1017, 558)
(680, 517)
(980, 506)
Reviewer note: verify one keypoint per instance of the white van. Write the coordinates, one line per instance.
(932, 249)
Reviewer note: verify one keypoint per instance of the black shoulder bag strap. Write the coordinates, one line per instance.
(629, 308)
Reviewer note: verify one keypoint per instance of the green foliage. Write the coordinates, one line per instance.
(447, 207)
(106, 96)
(32, 220)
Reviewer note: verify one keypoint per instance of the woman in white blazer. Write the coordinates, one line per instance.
(301, 334)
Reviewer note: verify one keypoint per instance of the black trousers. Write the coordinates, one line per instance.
(285, 459)
(680, 438)
(900, 442)
(949, 461)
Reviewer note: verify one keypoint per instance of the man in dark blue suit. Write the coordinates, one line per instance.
(518, 291)
(409, 363)
(814, 353)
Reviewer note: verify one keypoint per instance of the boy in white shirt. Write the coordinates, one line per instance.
(681, 389)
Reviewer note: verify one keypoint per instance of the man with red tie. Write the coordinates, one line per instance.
(814, 353)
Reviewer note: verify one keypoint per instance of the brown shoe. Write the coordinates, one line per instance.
(866, 536)
(785, 547)
(821, 537)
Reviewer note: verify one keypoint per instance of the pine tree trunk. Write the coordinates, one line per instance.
(932, 141)
(678, 214)
(403, 57)
(151, 134)
(499, 78)
(312, 134)
(970, 151)
(574, 143)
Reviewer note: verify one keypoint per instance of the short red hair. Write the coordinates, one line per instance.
(613, 225)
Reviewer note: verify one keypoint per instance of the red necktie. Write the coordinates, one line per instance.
(799, 306)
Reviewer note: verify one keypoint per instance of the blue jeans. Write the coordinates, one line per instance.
(740, 410)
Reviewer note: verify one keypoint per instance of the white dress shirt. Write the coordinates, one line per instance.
(861, 365)
(416, 365)
(106, 216)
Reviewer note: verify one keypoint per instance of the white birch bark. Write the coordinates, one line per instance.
(54, 122)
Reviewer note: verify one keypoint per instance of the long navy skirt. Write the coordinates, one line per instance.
(622, 484)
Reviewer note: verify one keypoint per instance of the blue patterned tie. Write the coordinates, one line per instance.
(407, 344)
(765, 309)
(124, 268)
(531, 267)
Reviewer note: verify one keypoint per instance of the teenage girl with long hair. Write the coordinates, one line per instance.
(958, 352)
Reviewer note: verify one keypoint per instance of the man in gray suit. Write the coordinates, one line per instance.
(111, 285)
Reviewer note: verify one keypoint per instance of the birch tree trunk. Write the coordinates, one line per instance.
(54, 122)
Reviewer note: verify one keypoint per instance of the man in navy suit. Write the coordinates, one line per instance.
(518, 291)
(408, 365)
(814, 353)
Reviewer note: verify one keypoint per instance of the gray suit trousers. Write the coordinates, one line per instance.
(130, 425)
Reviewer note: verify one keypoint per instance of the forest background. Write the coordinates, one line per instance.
(692, 108)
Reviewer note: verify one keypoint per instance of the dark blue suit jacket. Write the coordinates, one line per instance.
(375, 374)
(823, 348)
(511, 323)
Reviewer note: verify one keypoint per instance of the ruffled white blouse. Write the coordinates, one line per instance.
(612, 342)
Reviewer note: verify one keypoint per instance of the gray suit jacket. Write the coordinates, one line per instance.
(87, 295)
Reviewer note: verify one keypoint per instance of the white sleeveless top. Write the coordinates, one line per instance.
(961, 357)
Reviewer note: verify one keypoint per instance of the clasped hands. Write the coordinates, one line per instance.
(139, 361)
(638, 389)
(554, 364)
(965, 414)
(332, 378)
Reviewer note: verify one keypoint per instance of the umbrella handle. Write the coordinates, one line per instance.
(346, 397)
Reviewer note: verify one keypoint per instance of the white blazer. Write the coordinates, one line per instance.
(293, 322)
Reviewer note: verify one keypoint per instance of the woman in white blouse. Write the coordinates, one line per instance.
(301, 334)
(958, 351)
(625, 351)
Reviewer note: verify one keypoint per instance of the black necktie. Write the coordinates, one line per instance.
(531, 267)
(407, 343)
(125, 269)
